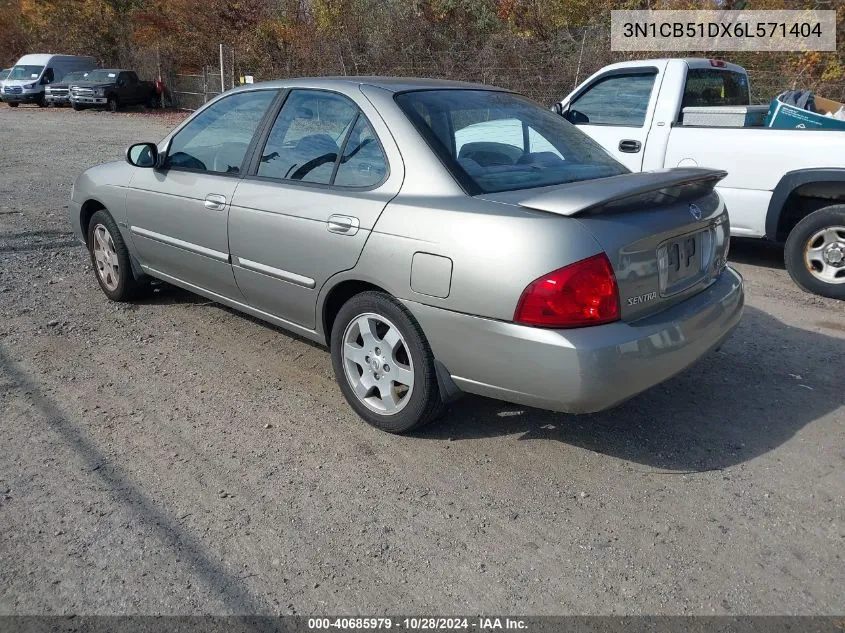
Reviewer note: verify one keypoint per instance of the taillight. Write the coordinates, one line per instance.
(583, 293)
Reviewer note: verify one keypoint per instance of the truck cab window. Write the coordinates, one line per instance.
(615, 100)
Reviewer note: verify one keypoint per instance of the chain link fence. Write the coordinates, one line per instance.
(544, 69)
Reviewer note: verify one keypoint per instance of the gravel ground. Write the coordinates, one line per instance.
(173, 456)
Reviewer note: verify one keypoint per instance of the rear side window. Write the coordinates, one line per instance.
(217, 138)
(321, 137)
(712, 87)
(363, 163)
(497, 141)
(616, 100)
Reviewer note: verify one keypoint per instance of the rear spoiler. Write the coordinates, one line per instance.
(618, 192)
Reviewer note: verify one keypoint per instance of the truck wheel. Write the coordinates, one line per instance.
(13, 105)
(40, 102)
(815, 252)
(76, 107)
(113, 104)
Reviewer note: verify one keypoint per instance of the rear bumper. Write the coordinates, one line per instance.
(586, 369)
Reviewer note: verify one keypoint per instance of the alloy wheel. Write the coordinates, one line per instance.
(105, 258)
(377, 364)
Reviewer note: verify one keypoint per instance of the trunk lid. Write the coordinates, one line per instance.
(665, 232)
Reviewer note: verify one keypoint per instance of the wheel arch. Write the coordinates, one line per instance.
(334, 294)
(343, 287)
(798, 194)
(87, 211)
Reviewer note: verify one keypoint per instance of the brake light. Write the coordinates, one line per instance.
(583, 293)
(718, 63)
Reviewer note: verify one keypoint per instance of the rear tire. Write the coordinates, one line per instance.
(13, 105)
(815, 252)
(110, 258)
(377, 348)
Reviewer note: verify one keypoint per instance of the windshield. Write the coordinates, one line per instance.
(497, 141)
(102, 75)
(25, 72)
(78, 76)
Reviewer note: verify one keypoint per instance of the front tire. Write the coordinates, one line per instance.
(383, 363)
(113, 104)
(12, 104)
(815, 252)
(110, 258)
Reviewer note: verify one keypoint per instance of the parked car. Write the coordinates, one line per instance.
(786, 186)
(112, 88)
(3, 74)
(29, 77)
(58, 94)
(340, 209)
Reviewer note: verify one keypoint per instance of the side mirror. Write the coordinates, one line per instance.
(558, 109)
(575, 117)
(142, 155)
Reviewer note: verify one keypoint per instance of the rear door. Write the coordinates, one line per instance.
(616, 109)
(178, 215)
(316, 187)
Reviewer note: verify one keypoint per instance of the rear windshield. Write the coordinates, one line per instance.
(712, 87)
(497, 141)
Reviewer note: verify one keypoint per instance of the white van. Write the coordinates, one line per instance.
(28, 77)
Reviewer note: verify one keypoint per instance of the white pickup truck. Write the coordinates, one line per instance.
(783, 185)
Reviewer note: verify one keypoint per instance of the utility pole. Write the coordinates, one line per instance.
(222, 72)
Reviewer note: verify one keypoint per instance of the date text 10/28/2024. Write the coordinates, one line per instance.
(419, 624)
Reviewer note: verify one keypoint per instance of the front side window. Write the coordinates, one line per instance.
(616, 100)
(25, 72)
(497, 141)
(217, 138)
(321, 137)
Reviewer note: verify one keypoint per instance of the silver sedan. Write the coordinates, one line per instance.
(439, 237)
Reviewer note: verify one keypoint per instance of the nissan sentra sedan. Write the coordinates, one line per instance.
(438, 237)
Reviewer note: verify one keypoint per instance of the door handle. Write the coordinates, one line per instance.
(629, 146)
(342, 224)
(215, 202)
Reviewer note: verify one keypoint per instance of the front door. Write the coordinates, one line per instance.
(616, 111)
(304, 213)
(178, 215)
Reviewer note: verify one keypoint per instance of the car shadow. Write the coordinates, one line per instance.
(756, 252)
(738, 403)
(735, 404)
